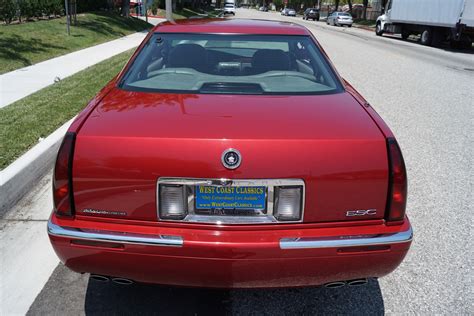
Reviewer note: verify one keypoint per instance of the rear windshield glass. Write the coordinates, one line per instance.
(231, 64)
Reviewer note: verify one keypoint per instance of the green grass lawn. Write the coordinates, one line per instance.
(38, 115)
(29, 43)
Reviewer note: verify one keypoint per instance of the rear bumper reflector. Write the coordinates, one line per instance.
(110, 236)
(347, 241)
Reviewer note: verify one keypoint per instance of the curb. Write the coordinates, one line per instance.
(20, 176)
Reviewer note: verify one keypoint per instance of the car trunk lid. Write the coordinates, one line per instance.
(132, 139)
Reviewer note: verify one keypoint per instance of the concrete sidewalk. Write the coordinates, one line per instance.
(27, 258)
(22, 82)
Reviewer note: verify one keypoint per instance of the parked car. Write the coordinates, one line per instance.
(229, 9)
(340, 19)
(263, 9)
(288, 12)
(223, 157)
(311, 13)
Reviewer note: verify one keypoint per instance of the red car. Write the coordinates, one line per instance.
(230, 154)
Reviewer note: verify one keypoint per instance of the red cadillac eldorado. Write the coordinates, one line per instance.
(230, 154)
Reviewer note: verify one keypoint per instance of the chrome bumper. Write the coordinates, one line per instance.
(118, 237)
(177, 241)
(346, 241)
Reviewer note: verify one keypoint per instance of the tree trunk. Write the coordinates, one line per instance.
(384, 4)
(349, 2)
(126, 8)
(337, 5)
(366, 3)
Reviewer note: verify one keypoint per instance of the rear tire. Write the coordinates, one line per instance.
(426, 37)
(378, 29)
(350, 25)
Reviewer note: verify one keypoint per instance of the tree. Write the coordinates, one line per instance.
(349, 2)
(155, 5)
(366, 4)
(126, 8)
(8, 9)
(337, 5)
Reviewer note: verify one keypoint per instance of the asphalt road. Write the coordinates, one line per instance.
(426, 95)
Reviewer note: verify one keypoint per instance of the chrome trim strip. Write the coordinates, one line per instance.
(230, 220)
(346, 241)
(264, 218)
(110, 236)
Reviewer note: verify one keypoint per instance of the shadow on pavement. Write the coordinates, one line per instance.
(148, 299)
(67, 293)
(442, 46)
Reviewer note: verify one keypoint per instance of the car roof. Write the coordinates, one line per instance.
(231, 26)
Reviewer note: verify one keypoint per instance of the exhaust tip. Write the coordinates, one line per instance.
(334, 285)
(122, 281)
(357, 282)
(100, 278)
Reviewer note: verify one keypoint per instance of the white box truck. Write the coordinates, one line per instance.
(434, 20)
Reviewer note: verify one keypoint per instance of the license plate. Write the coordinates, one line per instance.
(230, 198)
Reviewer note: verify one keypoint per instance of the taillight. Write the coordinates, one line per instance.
(397, 191)
(288, 202)
(173, 201)
(62, 178)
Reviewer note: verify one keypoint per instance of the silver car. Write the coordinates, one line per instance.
(288, 12)
(339, 19)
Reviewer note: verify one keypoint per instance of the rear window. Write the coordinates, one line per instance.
(231, 64)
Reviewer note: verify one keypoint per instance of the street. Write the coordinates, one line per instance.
(426, 96)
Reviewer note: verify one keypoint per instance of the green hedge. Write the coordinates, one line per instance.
(8, 10)
(11, 10)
